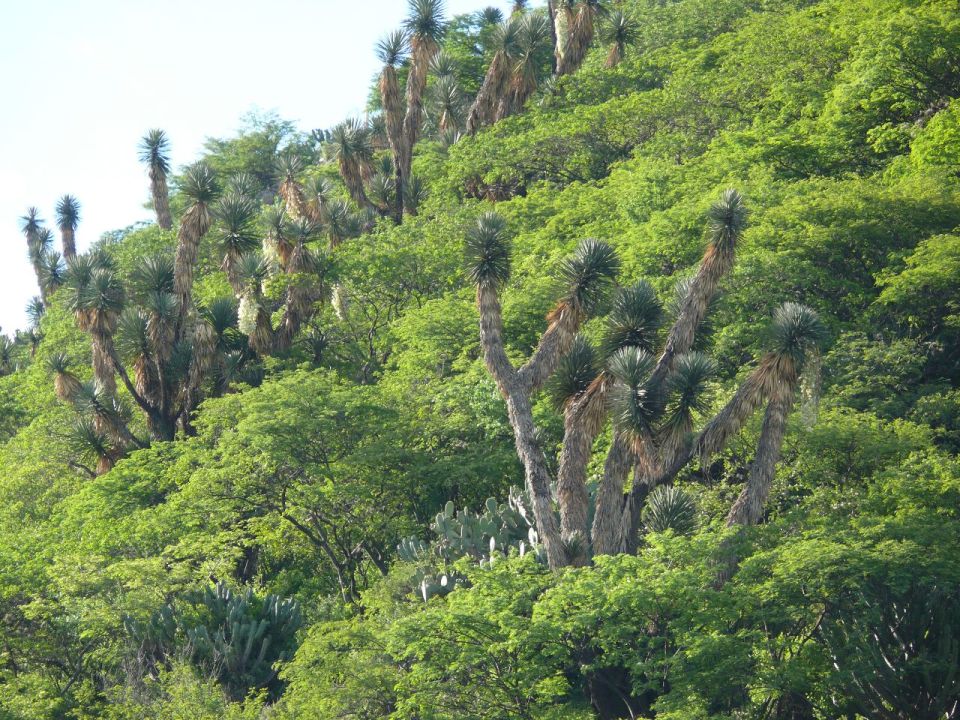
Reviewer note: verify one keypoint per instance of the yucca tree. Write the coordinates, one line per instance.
(653, 399)
(199, 186)
(424, 26)
(155, 154)
(619, 32)
(65, 383)
(391, 51)
(534, 34)
(496, 82)
(31, 225)
(519, 7)
(586, 276)
(289, 167)
(342, 223)
(88, 441)
(68, 218)
(235, 233)
(350, 144)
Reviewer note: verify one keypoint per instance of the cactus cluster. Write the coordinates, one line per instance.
(235, 638)
(464, 533)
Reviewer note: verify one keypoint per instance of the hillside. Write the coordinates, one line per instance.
(610, 368)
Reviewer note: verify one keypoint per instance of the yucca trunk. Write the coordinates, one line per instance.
(610, 497)
(300, 302)
(579, 37)
(516, 393)
(522, 85)
(103, 370)
(563, 324)
(65, 386)
(231, 266)
(748, 508)
(293, 198)
(68, 239)
(562, 23)
(161, 197)
(494, 87)
(582, 421)
(716, 262)
(393, 114)
(193, 226)
(203, 353)
(615, 56)
(352, 173)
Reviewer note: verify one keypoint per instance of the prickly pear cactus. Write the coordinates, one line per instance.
(464, 533)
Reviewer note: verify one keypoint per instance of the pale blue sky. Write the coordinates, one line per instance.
(82, 81)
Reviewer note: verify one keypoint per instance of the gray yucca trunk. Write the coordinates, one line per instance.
(610, 498)
(516, 393)
(103, 371)
(572, 494)
(161, 197)
(69, 239)
(748, 508)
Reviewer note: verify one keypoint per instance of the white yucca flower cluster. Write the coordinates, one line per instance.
(247, 315)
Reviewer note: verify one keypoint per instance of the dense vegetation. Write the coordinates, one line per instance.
(610, 370)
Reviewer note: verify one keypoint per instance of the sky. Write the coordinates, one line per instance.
(80, 83)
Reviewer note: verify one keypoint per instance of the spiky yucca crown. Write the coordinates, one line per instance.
(508, 36)
(221, 313)
(727, 219)
(443, 64)
(795, 332)
(635, 404)
(155, 150)
(68, 212)
(235, 215)
(392, 48)
(588, 274)
(619, 28)
(31, 223)
(488, 251)
(199, 183)
(35, 311)
(153, 274)
(670, 508)
(634, 319)
(424, 21)
(490, 15)
(578, 368)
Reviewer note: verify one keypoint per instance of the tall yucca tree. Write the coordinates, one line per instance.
(155, 154)
(391, 51)
(199, 186)
(31, 225)
(319, 195)
(496, 82)
(562, 14)
(581, 24)
(425, 27)
(448, 104)
(619, 32)
(50, 274)
(350, 143)
(586, 275)
(68, 218)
